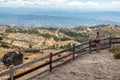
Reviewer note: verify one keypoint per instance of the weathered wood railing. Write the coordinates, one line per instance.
(53, 60)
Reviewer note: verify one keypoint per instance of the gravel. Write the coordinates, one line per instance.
(95, 66)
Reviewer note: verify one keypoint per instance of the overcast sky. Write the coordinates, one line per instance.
(113, 5)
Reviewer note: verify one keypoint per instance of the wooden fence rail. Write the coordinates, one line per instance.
(71, 54)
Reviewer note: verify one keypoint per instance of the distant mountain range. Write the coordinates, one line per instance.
(42, 18)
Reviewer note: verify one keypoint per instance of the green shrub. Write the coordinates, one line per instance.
(112, 50)
(115, 49)
(116, 55)
(116, 52)
(4, 45)
(1, 38)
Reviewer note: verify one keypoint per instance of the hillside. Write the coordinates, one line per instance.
(54, 38)
(48, 40)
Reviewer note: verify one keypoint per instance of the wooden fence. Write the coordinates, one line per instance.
(57, 59)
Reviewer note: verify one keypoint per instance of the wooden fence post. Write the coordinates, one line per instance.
(73, 51)
(50, 62)
(90, 46)
(110, 42)
(11, 72)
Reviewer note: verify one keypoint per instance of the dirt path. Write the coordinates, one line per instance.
(96, 66)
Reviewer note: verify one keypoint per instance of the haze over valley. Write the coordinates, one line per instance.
(31, 17)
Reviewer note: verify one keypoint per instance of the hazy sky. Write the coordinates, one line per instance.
(113, 5)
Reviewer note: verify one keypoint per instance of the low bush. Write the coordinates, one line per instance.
(116, 52)
(116, 55)
(4, 45)
(1, 38)
(115, 49)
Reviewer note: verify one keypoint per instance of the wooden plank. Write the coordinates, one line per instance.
(62, 63)
(101, 40)
(100, 44)
(38, 74)
(115, 38)
(62, 57)
(67, 61)
(29, 50)
(4, 72)
(82, 54)
(115, 42)
(107, 42)
(30, 62)
(104, 39)
(31, 70)
(81, 49)
(59, 52)
(85, 43)
(101, 48)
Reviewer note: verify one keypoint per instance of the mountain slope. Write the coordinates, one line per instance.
(55, 38)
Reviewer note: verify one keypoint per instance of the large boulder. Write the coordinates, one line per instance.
(13, 58)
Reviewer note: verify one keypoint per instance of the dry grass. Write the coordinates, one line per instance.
(30, 56)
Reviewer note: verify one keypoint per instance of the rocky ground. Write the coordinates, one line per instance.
(96, 66)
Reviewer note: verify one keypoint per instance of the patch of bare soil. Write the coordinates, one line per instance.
(96, 66)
